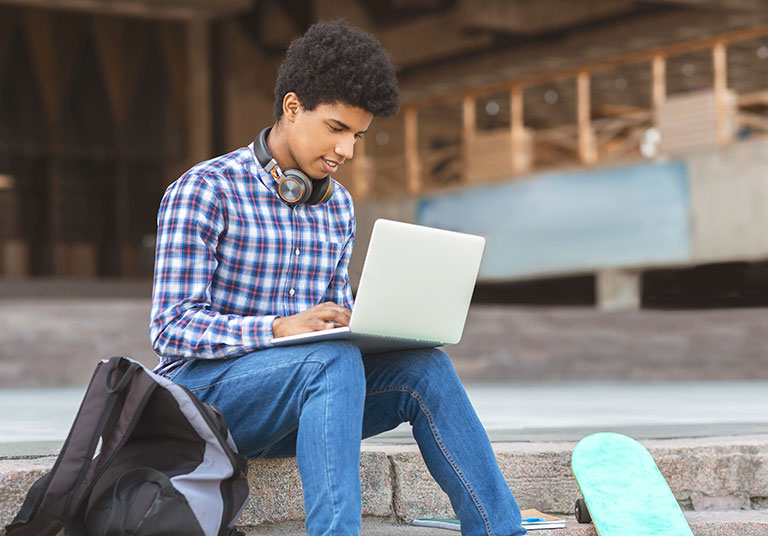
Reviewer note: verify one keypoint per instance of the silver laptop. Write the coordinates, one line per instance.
(414, 290)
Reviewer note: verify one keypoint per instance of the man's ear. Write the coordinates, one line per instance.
(291, 106)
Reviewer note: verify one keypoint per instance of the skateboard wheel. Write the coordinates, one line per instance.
(582, 512)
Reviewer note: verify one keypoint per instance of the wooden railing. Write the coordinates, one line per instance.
(601, 133)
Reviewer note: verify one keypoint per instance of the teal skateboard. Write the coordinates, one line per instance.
(624, 492)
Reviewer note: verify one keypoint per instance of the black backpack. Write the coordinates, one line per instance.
(166, 464)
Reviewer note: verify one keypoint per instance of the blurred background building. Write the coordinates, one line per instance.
(612, 151)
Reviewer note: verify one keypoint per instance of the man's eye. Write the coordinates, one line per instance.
(334, 129)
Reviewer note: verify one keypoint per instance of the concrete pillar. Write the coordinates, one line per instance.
(618, 290)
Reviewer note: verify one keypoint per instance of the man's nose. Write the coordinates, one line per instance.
(345, 148)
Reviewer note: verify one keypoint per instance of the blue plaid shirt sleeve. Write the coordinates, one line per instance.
(184, 324)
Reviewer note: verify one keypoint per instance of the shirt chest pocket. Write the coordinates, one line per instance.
(318, 263)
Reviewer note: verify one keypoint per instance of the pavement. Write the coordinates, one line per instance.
(36, 421)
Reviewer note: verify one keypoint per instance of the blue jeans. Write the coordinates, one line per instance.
(316, 402)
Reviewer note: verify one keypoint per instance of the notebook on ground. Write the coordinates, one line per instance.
(414, 290)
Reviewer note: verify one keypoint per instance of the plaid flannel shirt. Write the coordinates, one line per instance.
(231, 257)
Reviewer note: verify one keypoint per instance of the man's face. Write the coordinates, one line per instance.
(322, 139)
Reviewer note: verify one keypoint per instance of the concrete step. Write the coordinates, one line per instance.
(705, 474)
(58, 340)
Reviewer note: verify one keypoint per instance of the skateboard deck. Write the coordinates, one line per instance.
(624, 491)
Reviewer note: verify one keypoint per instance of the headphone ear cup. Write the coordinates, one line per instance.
(322, 191)
(294, 187)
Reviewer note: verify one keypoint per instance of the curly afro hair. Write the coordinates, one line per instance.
(333, 63)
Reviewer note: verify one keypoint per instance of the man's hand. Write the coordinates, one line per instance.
(324, 316)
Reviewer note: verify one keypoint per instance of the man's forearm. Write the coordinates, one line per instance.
(197, 333)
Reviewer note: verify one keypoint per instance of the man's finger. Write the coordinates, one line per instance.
(335, 313)
(337, 317)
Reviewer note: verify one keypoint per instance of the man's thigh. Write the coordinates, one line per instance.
(399, 384)
(394, 383)
(260, 394)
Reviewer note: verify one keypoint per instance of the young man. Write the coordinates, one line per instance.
(242, 257)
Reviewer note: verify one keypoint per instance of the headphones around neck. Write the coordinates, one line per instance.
(293, 185)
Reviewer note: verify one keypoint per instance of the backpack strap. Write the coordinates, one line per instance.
(58, 495)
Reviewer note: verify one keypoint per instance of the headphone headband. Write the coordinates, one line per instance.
(262, 153)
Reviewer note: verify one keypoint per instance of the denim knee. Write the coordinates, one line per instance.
(433, 367)
(428, 372)
(430, 383)
(342, 362)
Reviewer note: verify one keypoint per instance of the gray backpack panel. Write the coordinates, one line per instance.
(166, 464)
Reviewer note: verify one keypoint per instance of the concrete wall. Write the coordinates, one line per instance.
(572, 222)
(729, 203)
(707, 207)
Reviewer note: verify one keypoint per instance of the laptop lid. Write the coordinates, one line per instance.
(417, 282)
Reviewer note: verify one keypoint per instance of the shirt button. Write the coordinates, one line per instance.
(297, 252)
(291, 292)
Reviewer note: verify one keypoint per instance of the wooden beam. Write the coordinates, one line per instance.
(468, 133)
(350, 10)
(719, 5)
(172, 40)
(39, 29)
(517, 127)
(413, 167)
(276, 28)
(415, 41)
(146, 9)
(658, 81)
(426, 39)
(539, 16)
(8, 24)
(756, 121)
(591, 66)
(586, 137)
(719, 63)
(199, 116)
(753, 99)
(106, 31)
(244, 92)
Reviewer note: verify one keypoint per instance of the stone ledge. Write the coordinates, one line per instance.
(725, 473)
(704, 474)
(16, 477)
(730, 523)
(276, 492)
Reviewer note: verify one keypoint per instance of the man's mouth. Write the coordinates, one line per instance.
(331, 165)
